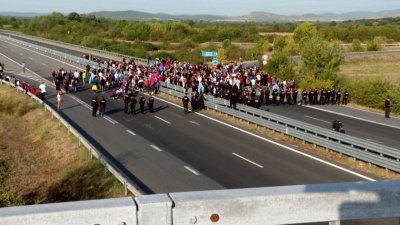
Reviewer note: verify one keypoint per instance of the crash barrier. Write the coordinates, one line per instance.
(368, 151)
(331, 203)
(108, 164)
(63, 44)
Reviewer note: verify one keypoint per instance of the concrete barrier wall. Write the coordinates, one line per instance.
(256, 206)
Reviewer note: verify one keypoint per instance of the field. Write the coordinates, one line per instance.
(371, 67)
(40, 162)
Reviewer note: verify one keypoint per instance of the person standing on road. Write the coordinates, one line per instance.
(102, 104)
(23, 66)
(387, 107)
(185, 101)
(133, 102)
(126, 103)
(1, 71)
(150, 103)
(95, 105)
(345, 97)
(42, 89)
(142, 101)
(58, 100)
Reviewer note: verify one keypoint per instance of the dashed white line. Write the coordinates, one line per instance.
(192, 171)
(110, 120)
(194, 122)
(317, 119)
(248, 160)
(131, 132)
(165, 121)
(30, 58)
(44, 64)
(156, 148)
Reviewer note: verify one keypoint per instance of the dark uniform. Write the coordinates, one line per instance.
(142, 101)
(345, 97)
(126, 103)
(94, 106)
(387, 107)
(338, 97)
(193, 103)
(102, 104)
(295, 93)
(267, 96)
(304, 97)
(185, 101)
(333, 95)
(150, 103)
(274, 96)
(233, 99)
(133, 102)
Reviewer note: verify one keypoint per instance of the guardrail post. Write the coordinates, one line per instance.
(69, 130)
(90, 154)
(125, 188)
(79, 141)
(334, 222)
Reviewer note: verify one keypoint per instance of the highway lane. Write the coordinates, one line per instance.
(378, 133)
(225, 155)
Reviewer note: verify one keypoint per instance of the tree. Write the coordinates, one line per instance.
(265, 46)
(279, 65)
(221, 55)
(356, 46)
(304, 31)
(321, 60)
(74, 16)
(279, 43)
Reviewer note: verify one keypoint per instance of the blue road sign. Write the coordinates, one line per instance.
(215, 61)
(208, 54)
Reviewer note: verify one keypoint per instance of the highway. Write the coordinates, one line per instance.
(178, 152)
(382, 132)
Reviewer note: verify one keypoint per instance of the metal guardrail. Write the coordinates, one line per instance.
(373, 153)
(76, 46)
(330, 203)
(93, 151)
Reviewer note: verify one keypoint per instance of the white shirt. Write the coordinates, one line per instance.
(42, 88)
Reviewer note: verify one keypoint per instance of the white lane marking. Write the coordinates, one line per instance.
(110, 120)
(192, 170)
(156, 148)
(194, 122)
(248, 160)
(317, 119)
(81, 102)
(42, 54)
(30, 58)
(44, 64)
(278, 144)
(165, 121)
(353, 117)
(131, 132)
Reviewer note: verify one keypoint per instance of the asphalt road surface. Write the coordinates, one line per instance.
(222, 156)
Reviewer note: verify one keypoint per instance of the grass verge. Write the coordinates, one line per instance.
(40, 162)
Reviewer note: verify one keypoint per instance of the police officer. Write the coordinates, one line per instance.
(295, 93)
(345, 97)
(126, 103)
(338, 97)
(387, 107)
(333, 95)
(304, 97)
(142, 101)
(94, 106)
(193, 102)
(233, 99)
(185, 101)
(102, 104)
(150, 103)
(133, 102)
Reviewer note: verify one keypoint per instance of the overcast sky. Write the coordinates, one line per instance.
(216, 7)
